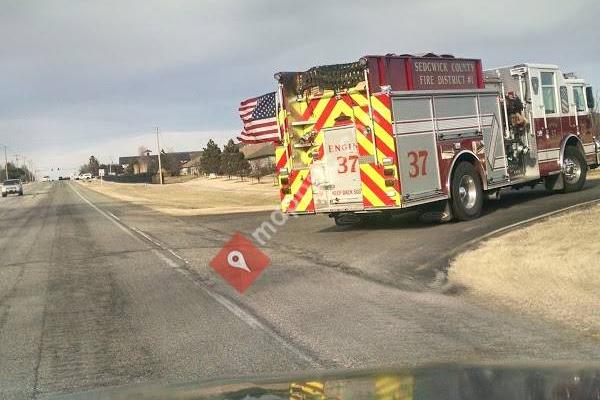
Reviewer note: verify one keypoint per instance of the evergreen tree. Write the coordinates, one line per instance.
(94, 165)
(211, 158)
(228, 158)
(170, 163)
(242, 166)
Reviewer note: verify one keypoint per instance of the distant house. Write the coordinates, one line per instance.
(191, 167)
(261, 155)
(141, 164)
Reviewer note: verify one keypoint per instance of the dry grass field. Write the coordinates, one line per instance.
(550, 269)
(196, 197)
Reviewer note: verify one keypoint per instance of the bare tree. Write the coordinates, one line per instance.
(262, 167)
(196, 166)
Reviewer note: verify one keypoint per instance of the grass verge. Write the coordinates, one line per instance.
(550, 269)
(195, 197)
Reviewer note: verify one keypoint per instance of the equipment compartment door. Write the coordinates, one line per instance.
(416, 144)
(493, 138)
(336, 177)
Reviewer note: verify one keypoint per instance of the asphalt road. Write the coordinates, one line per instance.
(95, 292)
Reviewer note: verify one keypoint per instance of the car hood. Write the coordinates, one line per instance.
(452, 382)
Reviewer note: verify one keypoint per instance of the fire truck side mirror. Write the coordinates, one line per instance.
(589, 93)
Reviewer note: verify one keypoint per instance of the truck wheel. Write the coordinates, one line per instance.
(4, 195)
(574, 169)
(467, 192)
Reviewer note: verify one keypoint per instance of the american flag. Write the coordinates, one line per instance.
(259, 119)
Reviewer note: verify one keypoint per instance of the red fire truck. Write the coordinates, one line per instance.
(388, 133)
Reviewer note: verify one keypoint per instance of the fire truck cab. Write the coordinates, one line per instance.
(553, 114)
(388, 133)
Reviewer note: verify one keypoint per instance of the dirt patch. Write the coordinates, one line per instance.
(550, 269)
(196, 197)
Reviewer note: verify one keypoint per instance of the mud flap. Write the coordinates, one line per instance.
(555, 182)
(441, 212)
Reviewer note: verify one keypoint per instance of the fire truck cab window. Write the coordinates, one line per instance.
(410, 109)
(579, 99)
(549, 92)
(455, 106)
(564, 100)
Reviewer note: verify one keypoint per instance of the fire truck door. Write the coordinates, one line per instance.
(336, 176)
(416, 144)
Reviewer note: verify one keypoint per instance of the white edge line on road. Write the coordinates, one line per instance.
(113, 215)
(116, 222)
(239, 312)
(247, 318)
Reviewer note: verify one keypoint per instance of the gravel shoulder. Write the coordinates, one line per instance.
(200, 196)
(549, 269)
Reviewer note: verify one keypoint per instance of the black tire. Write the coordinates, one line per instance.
(4, 194)
(21, 193)
(466, 191)
(574, 169)
(348, 219)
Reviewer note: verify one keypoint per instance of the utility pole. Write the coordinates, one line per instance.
(5, 163)
(30, 169)
(160, 174)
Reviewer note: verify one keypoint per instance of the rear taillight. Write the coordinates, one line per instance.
(284, 181)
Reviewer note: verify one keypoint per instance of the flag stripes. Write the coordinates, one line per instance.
(258, 115)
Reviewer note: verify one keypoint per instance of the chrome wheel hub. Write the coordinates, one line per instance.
(571, 170)
(467, 191)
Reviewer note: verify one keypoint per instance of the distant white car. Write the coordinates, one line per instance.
(46, 179)
(86, 176)
(12, 186)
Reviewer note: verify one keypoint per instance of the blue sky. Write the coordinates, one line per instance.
(80, 78)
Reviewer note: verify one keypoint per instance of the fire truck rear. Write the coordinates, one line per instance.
(387, 133)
